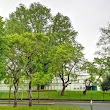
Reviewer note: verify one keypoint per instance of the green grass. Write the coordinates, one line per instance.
(41, 108)
(72, 95)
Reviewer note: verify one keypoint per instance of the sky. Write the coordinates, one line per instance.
(87, 17)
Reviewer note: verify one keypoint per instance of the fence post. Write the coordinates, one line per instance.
(91, 105)
(38, 92)
(69, 94)
(80, 96)
(103, 96)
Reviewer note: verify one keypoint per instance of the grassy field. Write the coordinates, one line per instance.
(41, 108)
(71, 95)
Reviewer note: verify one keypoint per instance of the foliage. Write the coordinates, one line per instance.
(61, 30)
(35, 57)
(104, 42)
(2, 48)
(33, 19)
(96, 71)
(105, 86)
(64, 63)
(14, 63)
(104, 51)
(107, 64)
(23, 54)
(65, 52)
(1, 26)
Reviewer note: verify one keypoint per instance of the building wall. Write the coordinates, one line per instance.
(56, 84)
(76, 85)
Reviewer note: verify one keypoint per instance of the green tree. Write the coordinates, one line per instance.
(61, 30)
(2, 26)
(8, 80)
(90, 69)
(66, 53)
(35, 19)
(38, 19)
(107, 64)
(24, 52)
(104, 47)
(2, 46)
(18, 21)
(105, 86)
(2, 50)
(14, 63)
(104, 42)
(33, 46)
(96, 70)
(64, 63)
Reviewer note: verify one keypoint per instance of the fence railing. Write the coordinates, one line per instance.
(53, 94)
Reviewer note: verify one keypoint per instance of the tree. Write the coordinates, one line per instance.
(96, 71)
(2, 46)
(61, 30)
(35, 19)
(107, 64)
(65, 51)
(24, 52)
(14, 62)
(9, 81)
(38, 19)
(33, 46)
(2, 50)
(64, 63)
(105, 86)
(104, 47)
(2, 30)
(104, 42)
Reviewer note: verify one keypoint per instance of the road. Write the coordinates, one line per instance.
(98, 105)
(87, 105)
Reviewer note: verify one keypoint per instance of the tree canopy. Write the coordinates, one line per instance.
(105, 86)
(2, 46)
(35, 19)
(39, 47)
(104, 42)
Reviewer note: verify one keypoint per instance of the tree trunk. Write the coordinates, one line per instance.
(30, 93)
(9, 93)
(63, 90)
(85, 91)
(15, 96)
(22, 95)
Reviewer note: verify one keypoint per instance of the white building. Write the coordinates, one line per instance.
(56, 84)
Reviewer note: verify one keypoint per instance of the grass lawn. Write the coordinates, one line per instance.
(41, 108)
(72, 95)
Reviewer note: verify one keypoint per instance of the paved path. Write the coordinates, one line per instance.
(96, 105)
(87, 105)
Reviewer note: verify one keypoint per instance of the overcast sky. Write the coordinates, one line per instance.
(87, 17)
